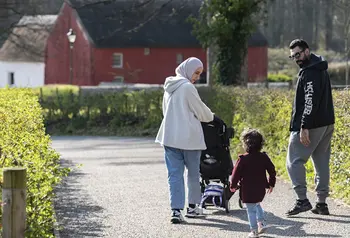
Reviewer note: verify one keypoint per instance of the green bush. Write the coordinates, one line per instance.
(279, 78)
(139, 113)
(279, 63)
(23, 143)
(68, 111)
(269, 111)
(337, 73)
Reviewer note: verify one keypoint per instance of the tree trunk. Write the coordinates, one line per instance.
(347, 60)
(244, 69)
(329, 23)
(316, 25)
(297, 19)
(307, 20)
(281, 16)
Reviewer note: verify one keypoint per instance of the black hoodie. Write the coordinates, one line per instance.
(313, 103)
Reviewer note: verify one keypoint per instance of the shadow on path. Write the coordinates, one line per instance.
(77, 215)
(278, 226)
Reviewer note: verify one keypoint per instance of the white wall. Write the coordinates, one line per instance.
(25, 74)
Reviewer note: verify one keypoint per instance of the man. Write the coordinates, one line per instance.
(311, 128)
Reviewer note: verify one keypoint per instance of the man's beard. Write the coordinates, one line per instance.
(303, 62)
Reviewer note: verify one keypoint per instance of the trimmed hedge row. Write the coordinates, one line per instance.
(23, 143)
(68, 111)
(269, 111)
(138, 113)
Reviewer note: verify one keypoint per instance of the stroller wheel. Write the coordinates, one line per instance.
(202, 188)
(240, 204)
(227, 206)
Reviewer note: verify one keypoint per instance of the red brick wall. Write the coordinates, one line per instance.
(257, 64)
(58, 52)
(141, 68)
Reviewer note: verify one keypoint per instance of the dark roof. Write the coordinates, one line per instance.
(129, 23)
(27, 41)
(257, 39)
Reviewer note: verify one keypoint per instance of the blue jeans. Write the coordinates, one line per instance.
(255, 215)
(176, 160)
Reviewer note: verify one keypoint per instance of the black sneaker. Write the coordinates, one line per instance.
(300, 206)
(176, 217)
(321, 208)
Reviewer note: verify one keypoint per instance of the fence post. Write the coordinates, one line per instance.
(14, 202)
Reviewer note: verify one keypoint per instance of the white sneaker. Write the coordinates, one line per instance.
(262, 227)
(176, 217)
(253, 234)
(194, 212)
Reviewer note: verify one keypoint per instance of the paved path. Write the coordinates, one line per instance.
(121, 191)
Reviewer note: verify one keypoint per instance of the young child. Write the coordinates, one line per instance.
(250, 173)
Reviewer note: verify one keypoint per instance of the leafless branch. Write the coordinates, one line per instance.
(138, 6)
(150, 17)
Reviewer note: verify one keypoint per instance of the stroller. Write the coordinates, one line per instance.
(216, 165)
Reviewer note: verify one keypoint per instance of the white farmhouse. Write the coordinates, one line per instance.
(22, 56)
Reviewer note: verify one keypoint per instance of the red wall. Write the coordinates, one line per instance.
(92, 65)
(257, 64)
(152, 68)
(57, 52)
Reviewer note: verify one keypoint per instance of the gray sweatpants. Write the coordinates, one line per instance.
(320, 151)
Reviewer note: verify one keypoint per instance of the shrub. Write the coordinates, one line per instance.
(139, 113)
(23, 143)
(337, 73)
(279, 63)
(269, 111)
(68, 111)
(279, 78)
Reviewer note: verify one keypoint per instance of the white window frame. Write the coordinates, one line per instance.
(118, 79)
(119, 66)
(147, 51)
(179, 58)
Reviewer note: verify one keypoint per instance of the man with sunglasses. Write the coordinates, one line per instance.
(311, 128)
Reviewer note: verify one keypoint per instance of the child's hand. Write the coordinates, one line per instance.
(269, 190)
(233, 190)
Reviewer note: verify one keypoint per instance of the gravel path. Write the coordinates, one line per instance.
(121, 190)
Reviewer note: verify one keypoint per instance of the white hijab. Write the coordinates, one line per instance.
(187, 68)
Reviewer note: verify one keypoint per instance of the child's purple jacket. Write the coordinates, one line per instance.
(250, 172)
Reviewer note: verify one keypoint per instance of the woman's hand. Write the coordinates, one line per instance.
(269, 190)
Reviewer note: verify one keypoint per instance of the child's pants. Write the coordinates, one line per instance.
(176, 160)
(255, 215)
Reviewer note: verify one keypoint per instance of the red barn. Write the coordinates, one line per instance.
(119, 41)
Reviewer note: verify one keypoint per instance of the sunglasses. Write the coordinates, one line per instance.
(296, 55)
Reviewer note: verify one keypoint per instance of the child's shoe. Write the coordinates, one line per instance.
(262, 227)
(253, 234)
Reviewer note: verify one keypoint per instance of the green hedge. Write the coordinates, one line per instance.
(23, 142)
(279, 78)
(139, 114)
(279, 63)
(269, 111)
(67, 111)
(337, 73)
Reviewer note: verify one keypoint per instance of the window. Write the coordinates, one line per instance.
(179, 58)
(11, 78)
(147, 51)
(118, 79)
(117, 60)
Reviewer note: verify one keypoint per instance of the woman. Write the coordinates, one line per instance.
(182, 136)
